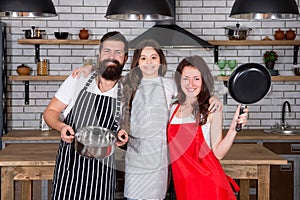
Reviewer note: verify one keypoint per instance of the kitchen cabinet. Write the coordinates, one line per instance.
(284, 179)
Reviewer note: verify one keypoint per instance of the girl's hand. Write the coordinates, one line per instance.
(215, 104)
(67, 134)
(122, 137)
(239, 119)
(85, 70)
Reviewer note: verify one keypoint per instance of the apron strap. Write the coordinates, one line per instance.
(118, 108)
(173, 114)
(88, 83)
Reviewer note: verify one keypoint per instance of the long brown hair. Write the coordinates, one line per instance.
(200, 108)
(133, 79)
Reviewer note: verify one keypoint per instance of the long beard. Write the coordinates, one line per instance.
(110, 72)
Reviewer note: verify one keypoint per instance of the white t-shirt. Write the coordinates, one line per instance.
(71, 87)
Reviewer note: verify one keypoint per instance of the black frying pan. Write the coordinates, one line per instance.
(248, 84)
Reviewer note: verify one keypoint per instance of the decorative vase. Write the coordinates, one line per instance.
(290, 34)
(84, 34)
(279, 34)
(270, 65)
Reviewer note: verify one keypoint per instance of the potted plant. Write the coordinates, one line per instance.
(269, 58)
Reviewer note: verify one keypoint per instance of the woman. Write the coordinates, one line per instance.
(195, 136)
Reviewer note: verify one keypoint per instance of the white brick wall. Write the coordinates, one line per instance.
(204, 18)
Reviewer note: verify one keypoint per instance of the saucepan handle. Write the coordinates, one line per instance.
(238, 127)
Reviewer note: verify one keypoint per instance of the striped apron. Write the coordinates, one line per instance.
(78, 177)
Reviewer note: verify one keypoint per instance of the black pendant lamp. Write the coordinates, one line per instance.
(148, 10)
(27, 8)
(264, 9)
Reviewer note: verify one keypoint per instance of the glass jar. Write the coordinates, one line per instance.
(42, 67)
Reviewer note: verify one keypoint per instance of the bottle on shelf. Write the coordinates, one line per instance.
(42, 68)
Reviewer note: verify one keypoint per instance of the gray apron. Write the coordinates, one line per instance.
(146, 156)
(78, 177)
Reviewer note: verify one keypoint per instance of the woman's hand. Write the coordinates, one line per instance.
(85, 70)
(122, 137)
(215, 104)
(239, 119)
(67, 134)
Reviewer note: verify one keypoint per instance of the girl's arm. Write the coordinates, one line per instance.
(215, 104)
(220, 144)
(85, 70)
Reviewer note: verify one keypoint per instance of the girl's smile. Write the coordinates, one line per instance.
(149, 62)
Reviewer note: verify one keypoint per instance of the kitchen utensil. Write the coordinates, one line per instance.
(237, 32)
(83, 34)
(23, 70)
(279, 35)
(61, 35)
(231, 65)
(33, 33)
(248, 84)
(290, 34)
(42, 68)
(297, 71)
(221, 66)
(95, 142)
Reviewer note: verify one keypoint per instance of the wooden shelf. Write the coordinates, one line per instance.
(56, 42)
(213, 42)
(274, 78)
(254, 42)
(37, 78)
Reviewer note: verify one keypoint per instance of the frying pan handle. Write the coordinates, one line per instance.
(238, 127)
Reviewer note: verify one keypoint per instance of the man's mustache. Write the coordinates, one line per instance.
(116, 62)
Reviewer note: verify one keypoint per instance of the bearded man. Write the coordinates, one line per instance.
(89, 101)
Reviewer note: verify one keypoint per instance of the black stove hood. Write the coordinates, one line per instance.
(169, 35)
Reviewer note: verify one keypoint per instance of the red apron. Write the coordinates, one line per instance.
(197, 173)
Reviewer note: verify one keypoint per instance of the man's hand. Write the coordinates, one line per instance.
(67, 134)
(122, 138)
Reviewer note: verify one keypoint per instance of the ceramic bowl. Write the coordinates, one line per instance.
(297, 71)
(61, 35)
(23, 70)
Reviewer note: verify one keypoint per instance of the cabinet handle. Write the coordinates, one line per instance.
(295, 148)
(286, 168)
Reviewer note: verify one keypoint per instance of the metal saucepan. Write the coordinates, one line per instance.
(33, 33)
(237, 32)
(95, 142)
(248, 84)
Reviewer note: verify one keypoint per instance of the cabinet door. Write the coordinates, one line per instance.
(282, 181)
(283, 177)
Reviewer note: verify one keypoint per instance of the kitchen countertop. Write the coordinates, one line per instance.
(258, 134)
(37, 135)
(31, 135)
